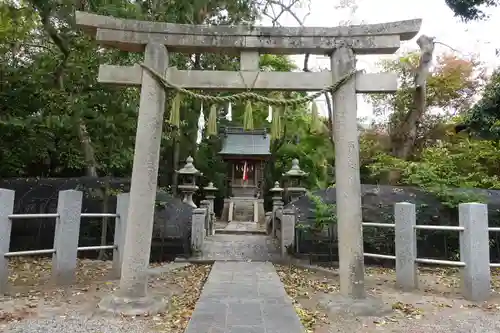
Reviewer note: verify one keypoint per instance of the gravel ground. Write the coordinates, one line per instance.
(33, 305)
(77, 323)
(436, 307)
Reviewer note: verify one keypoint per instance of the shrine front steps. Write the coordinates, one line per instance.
(227, 247)
(241, 228)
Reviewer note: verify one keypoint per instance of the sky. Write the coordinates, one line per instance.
(478, 38)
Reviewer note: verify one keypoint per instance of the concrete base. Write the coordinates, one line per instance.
(369, 306)
(132, 306)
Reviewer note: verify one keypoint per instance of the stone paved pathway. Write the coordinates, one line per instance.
(244, 297)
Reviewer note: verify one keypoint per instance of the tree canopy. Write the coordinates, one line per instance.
(56, 120)
(470, 10)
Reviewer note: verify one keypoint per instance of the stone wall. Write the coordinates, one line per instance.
(378, 203)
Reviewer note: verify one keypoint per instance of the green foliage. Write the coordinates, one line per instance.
(444, 168)
(49, 92)
(469, 10)
(483, 119)
(325, 215)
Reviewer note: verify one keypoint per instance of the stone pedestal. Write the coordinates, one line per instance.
(136, 306)
(336, 304)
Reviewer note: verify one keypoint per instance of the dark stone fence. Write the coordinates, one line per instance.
(171, 233)
(378, 206)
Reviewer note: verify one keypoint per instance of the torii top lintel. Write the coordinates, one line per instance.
(133, 35)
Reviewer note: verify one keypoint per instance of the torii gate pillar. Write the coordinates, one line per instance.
(131, 297)
(347, 178)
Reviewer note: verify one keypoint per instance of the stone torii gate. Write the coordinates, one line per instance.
(158, 40)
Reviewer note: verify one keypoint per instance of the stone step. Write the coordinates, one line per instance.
(239, 232)
(242, 247)
(242, 228)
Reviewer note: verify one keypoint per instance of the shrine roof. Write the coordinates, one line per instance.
(237, 141)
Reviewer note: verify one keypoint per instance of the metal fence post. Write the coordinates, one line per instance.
(406, 246)
(64, 260)
(6, 208)
(122, 204)
(475, 251)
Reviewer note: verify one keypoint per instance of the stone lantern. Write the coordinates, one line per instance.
(277, 194)
(210, 191)
(188, 177)
(293, 181)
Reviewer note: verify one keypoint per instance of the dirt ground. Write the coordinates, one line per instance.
(436, 307)
(32, 295)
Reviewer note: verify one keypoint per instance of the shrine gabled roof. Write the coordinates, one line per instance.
(237, 141)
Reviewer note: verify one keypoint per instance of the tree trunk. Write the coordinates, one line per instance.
(87, 149)
(105, 209)
(404, 137)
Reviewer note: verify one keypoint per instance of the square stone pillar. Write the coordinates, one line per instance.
(206, 205)
(348, 183)
(122, 203)
(6, 209)
(475, 251)
(406, 246)
(287, 230)
(198, 230)
(69, 208)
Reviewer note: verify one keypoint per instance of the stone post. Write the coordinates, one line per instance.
(210, 191)
(406, 246)
(131, 298)
(6, 209)
(287, 230)
(198, 230)
(67, 232)
(279, 206)
(294, 177)
(348, 186)
(188, 187)
(475, 251)
(122, 203)
(277, 197)
(205, 204)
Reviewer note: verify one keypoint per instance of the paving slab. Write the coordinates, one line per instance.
(244, 297)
